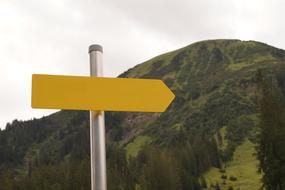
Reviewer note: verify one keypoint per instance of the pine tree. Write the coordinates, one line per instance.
(203, 183)
(271, 141)
(160, 172)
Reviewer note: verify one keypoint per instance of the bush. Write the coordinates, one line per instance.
(233, 178)
(222, 171)
(217, 186)
(224, 177)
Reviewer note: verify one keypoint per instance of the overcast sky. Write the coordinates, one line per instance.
(52, 36)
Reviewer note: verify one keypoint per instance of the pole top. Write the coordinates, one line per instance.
(95, 47)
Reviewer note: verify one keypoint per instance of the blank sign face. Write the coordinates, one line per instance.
(97, 93)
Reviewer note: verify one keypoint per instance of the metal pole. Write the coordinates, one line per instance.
(97, 128)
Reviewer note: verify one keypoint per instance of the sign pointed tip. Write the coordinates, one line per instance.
(169, 96)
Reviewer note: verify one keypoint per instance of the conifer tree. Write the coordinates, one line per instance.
(271, 141)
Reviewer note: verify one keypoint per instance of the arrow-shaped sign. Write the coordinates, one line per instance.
(96, 93)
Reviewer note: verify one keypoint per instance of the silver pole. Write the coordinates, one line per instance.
(97, 128)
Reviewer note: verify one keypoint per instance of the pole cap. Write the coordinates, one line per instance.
(95, 47)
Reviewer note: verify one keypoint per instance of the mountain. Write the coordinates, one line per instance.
(200, 139)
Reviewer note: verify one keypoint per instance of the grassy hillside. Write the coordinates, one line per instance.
(135, 146)
(243, 167)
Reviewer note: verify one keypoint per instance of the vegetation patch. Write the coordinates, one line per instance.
(134, 147)
(240, 173)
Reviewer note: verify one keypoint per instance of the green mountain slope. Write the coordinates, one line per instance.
(210, 121)
(214, 83)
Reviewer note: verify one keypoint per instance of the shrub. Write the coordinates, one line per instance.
(224, 177)
(233, 178)
(222, 171)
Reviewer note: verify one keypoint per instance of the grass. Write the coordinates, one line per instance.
(250, 61)
(144, 67)
(134, 147)
(238, 66)
(243, 167)
(224, 143)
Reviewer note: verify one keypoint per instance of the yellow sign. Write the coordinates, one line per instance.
(97, 93)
